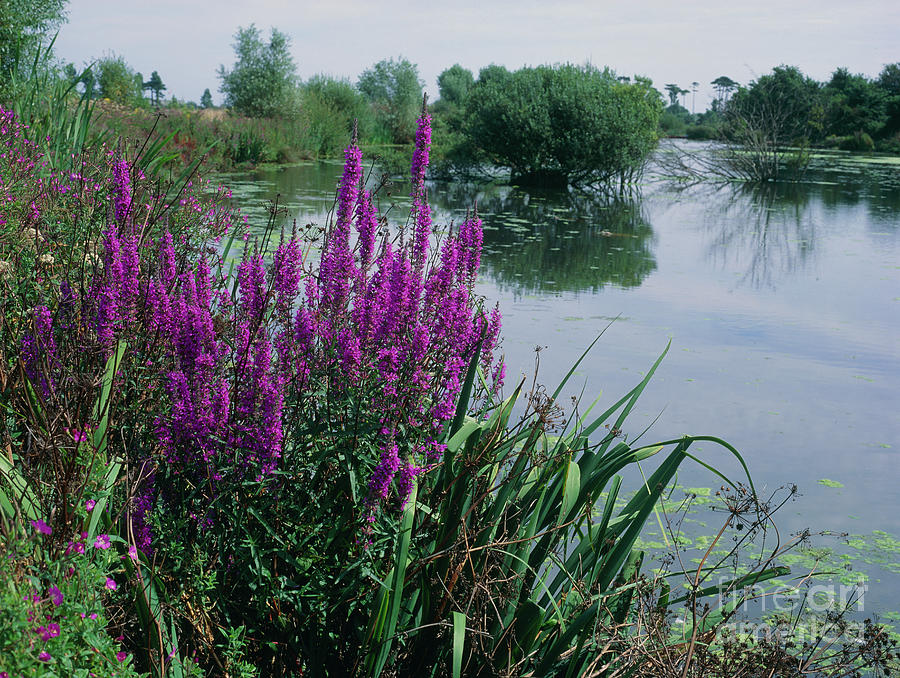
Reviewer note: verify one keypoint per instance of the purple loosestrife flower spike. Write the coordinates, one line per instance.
(167, 260)
(121, 190)
(252, 284)
(287, 273)
(110, 287)
(39, 353)
(336, 267)
(421, 212)
(384, 473)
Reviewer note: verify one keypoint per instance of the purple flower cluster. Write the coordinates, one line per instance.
(39, 351)
(121, 190)
(377, 320)
(388, 323)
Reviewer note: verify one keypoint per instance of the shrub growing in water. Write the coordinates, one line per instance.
(563, 125)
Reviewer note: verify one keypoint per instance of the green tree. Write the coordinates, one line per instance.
(889, 81)
(118, 81)
(454, 85)
(786, 106)
(156, 87)
(673, 90)
(24, 26)
(206, 99)
(855, 105)
(394, 90)
(263, 81)
(562, 124)
(724, 87)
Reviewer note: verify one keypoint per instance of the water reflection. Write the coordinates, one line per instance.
(546, 242)
(761, 232)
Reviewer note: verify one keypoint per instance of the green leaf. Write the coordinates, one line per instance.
(459, 639)
(571, 490)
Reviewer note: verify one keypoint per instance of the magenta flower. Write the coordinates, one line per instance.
(44, 656)
(111, 584)
(42, 527)
(53, 630)
(102, 542)
(89, 505)
(121, 656)
(56, 596)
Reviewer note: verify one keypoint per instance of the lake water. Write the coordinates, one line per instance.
(782, 305)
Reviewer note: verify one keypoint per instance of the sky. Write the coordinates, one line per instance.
(671, 42)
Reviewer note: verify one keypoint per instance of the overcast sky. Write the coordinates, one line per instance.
(669, 41)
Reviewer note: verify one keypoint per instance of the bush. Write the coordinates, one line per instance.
(563, 124)
(701, 132)
(858, 141)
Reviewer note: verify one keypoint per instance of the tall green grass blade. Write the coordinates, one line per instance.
(571, 490)
(21, 496)
(459, 640)
(109, 480)
(103, 403)
(396, 595)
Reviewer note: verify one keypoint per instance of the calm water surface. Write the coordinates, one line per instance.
(782, 306)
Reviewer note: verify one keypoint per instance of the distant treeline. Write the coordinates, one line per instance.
(850, 111)
(550, 125)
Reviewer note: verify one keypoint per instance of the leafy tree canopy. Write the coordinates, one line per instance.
(855, 104)
(24, 26)
(263, 81)
(786, 106)
(206, 99)
(117, 81)
(330, 108)
(563, 124)
(454, 85)
(394, 90)
(155, 85)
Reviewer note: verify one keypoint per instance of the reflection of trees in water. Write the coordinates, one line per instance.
(765, 230)
(557, 241)
(871, 183)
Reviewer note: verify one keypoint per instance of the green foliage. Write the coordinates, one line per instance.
(330, 109)
(26, 26)
(889, 81)
(394, 90)
(675, 120)
(454, 85)
(118, 82)
(39, 636)
(856, 105)
(452, 152)
(206, 99)
(156, 87)
(263, 81)
(57, 118)
(555, 125)
(786, 106)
